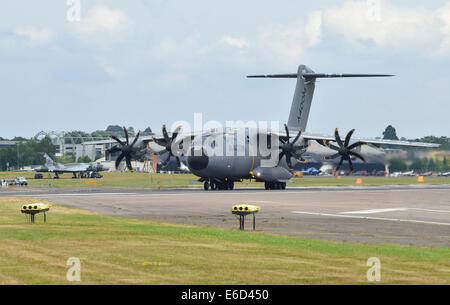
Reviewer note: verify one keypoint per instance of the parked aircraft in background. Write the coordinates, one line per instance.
(408, 174)
(427, 174)
(311, 171)
(79, 170)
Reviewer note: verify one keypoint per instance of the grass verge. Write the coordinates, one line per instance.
(115, 179)
(116, 250)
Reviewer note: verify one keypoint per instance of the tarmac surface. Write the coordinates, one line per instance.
(409, 215)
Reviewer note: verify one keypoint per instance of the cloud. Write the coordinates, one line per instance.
(35, 35)
(103, 19)
(313, 28)
(444, 16)
(289, 43)
(395, 29)
(235, 42)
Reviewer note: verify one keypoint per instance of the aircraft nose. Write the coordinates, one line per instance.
(197, 161)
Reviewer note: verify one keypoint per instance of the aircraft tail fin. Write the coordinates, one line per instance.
(304, 92)
(48, 160)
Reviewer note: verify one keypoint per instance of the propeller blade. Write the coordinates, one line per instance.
(126, 134)
(287, 132)
(135, 139)
(331, 157)
(128, 160)
(332, 146)
(113, 150)
(337, 137)
(347, 138)
(164, 158)
(165, 134)
(166, 161)
(288, 159)
(178, 162)
(117, 140)
(119, 159)
(357, 156)
(351, 165)
(175, 133)
(357, 144)
(298, 136)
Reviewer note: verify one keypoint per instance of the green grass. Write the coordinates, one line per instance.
(116, 250)
(114, 179)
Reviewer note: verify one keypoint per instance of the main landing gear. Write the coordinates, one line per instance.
(275, 185)
(218, 185)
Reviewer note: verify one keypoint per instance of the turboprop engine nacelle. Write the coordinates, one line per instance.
(271, 174)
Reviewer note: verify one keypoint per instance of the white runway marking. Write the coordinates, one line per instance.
(428, 210)
(373, 211)
(73, 194)
(372, 218)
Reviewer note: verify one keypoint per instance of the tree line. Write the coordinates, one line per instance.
(30, 151)
(419, 165)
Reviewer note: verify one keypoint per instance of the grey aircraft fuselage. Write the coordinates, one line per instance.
(240, 160)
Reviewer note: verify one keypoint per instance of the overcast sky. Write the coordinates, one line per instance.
(147, 62)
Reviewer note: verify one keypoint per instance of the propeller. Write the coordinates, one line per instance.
(167, 143)
(290, 149)
(128, 151)
(344, 150)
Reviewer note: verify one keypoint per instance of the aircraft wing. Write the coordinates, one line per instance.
(376, 142)
(70, 168)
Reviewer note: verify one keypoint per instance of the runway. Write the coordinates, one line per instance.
(398, 215)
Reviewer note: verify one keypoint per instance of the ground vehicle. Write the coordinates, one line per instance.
(95, 175)
(10, 182)
(22, 181)
(38, 176)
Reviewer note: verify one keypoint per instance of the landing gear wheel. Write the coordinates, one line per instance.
(283, 185)
(231, 185)
(206, 185)
(213, 186)
(266, 185)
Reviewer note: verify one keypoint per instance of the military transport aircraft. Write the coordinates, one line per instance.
(221, 170)
(82, 169)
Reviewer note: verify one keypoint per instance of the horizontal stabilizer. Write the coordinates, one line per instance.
(318, 75)
(304, 91)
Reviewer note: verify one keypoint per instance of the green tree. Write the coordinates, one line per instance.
(397, 165)
(390, 133)
(84, 159)
(419, 165)
(431, 165)
(114, 129)
(99, 156)
(66, 159)
(147, 131)
(26, 153)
